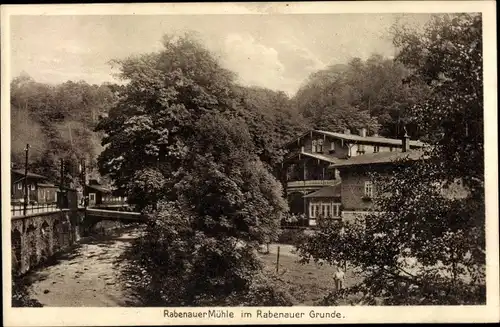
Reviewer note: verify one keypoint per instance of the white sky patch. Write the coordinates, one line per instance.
(278, 52)
(255, 63)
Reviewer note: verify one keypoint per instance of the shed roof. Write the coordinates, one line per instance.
(326, 192)
(47, 185)
(30, 175)
(379, 158)
(99, 188)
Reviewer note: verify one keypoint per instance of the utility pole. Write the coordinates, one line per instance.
(61, 184)
(84, 182)
(26, 179)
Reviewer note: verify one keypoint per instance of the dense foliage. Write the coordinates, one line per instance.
(368, 94)
(57, 121)
(178, 141)
(427, 246)
(272, 120)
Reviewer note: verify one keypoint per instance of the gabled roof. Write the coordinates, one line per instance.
(358, 138)
(326, 192)
(370, 139)
(319, 156)
(30, 175)
(380, 158)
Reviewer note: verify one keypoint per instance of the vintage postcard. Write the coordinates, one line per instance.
(249, 163)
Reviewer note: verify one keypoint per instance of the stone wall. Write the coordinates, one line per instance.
(37, 237)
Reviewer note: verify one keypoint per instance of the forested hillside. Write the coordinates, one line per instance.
(372, 94)
(59, 121)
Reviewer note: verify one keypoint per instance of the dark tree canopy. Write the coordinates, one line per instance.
(179, 140)
(429, 237)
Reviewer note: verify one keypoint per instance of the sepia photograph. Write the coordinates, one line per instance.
(200, 161)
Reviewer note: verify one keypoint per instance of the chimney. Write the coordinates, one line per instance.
(362, 132)
(406, 142)
(347, 131)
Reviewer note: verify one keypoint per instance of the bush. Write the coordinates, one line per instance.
(291, 236)
(265, 290)
(20, 294)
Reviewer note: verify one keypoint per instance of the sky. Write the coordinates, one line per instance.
(273, 51)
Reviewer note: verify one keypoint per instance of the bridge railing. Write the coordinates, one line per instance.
(17, 209)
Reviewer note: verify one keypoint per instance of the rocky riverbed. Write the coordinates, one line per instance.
(88, 276)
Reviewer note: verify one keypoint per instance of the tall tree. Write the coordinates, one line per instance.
(272, 120)
(166, 94)
(429, 239)
(176, 140)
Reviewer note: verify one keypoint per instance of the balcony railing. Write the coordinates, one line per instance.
(320, 182)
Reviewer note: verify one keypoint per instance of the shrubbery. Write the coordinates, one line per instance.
(291, 236)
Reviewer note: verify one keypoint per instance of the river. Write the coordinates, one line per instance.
(88, 276)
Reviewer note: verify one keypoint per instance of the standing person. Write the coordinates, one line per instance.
(339, 278)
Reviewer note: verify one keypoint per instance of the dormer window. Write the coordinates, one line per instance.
(319, 146)
(332, 147)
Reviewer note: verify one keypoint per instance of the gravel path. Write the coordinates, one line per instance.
(86, 277)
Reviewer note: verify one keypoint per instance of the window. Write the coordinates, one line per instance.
(314, 210)
(319, 145)
(32, 186)
(332, 147)
(376, 148)
(314, 148)
(92, 197)
(20, 186)
(368, 189)
(336, 209)
(325, 210)
(390, 149)
(361, 148)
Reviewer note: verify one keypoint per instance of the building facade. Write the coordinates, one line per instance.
(39, 190)
(97, 193)
(311, 166)
(324, 203)
(358, 189)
